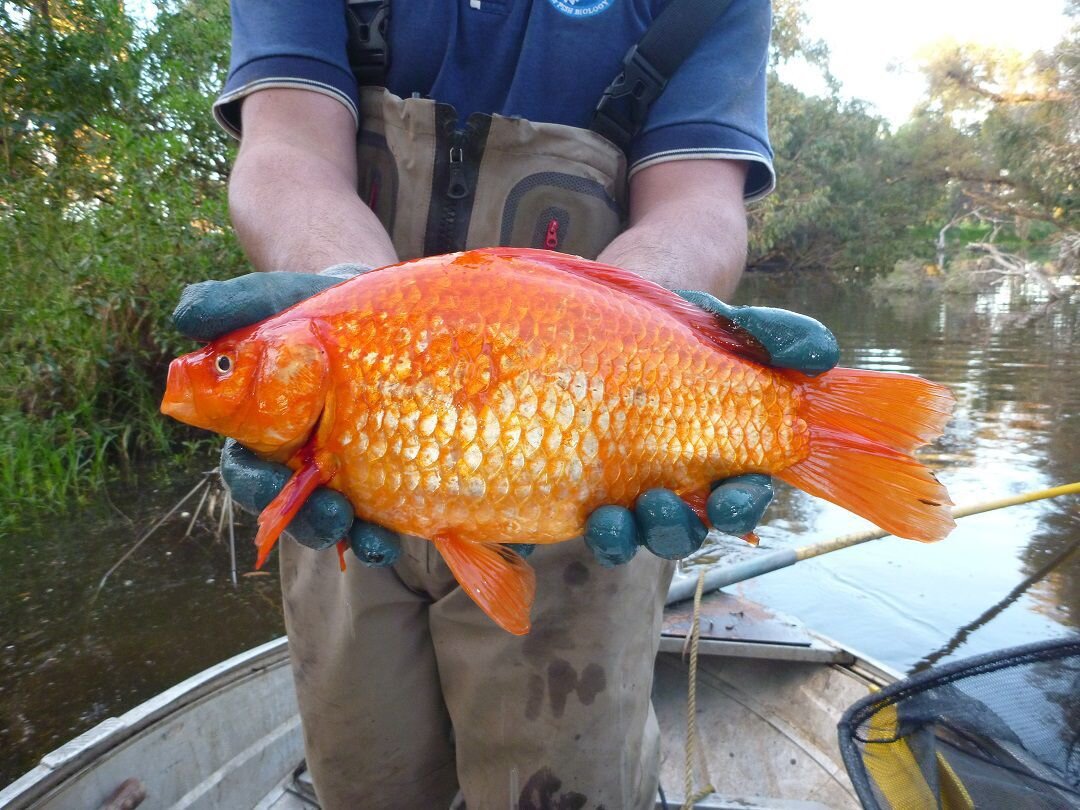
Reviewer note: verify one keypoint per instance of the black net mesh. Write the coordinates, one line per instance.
(996, 731)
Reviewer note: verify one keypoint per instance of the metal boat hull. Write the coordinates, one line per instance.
(769, 695)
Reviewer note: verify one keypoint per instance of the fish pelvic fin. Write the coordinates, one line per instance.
(864, 426)
(283, 508)
(495, 577)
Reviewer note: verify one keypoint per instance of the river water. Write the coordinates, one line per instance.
(1011, 361)
(68, 660)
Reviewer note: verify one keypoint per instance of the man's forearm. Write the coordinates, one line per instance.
(681, 258)
(294, 212)
(685, 233)
(292, 192)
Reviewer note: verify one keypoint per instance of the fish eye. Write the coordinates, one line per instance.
(223, 363)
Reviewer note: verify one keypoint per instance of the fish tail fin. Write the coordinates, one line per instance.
(496, 578)
(864, 425)
(277, 514)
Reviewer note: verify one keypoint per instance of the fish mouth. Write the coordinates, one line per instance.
(179, 399)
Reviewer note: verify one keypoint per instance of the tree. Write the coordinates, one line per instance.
(113, 197)
(844, 198)
(1023, 116)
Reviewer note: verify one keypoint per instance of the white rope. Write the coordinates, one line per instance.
(693, 741)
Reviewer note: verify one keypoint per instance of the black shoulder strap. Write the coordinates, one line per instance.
(649, 65)
(368, 47)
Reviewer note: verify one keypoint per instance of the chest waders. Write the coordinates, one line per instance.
(439, 185)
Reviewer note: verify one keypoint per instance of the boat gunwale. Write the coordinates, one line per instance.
(64, 763)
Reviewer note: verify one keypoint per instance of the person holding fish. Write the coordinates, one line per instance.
(381, 131)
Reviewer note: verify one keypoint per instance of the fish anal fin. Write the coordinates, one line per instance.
(495, 577)
(697, 499)
(714, 330)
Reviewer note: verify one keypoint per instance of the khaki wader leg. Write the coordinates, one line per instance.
(561, 717)
(376, 731)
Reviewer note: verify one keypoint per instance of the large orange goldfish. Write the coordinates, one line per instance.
(499, 396)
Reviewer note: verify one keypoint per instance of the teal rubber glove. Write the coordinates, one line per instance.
(792, 340)
(661, 521)
(210, 309)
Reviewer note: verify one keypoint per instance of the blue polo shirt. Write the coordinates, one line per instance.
(543, 60)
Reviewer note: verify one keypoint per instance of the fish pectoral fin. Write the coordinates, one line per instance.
(495, 577)
(277, 514)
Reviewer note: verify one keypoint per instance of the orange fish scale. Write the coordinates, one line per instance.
(509, 403)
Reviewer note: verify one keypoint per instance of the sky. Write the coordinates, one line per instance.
(866, 38)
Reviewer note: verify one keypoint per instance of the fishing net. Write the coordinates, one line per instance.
(996, 731)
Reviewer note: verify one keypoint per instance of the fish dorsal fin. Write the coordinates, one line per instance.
(712, 329)
(495, 577)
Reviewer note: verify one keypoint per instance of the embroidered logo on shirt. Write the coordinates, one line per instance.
(580, 8)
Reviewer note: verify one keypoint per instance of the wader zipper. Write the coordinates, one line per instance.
(457, 164)
(456, 195)
(459, 183)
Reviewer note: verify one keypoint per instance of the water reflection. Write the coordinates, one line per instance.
(1016, 428)
(68, 661)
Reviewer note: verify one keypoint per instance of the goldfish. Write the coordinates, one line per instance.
(499, 396)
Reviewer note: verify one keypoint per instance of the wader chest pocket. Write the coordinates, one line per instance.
(559, 211)
(438, 187)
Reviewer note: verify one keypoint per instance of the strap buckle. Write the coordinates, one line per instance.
(369, 52)
(626, 101)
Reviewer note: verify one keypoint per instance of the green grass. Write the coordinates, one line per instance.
(48, 462)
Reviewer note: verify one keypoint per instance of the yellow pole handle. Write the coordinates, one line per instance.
(723, 575)
(846, 540)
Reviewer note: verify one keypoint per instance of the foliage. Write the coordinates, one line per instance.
(845, 198)
(844, 201)
(113, 198)
(789, 40)
(997, 141)
(1020, 117)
